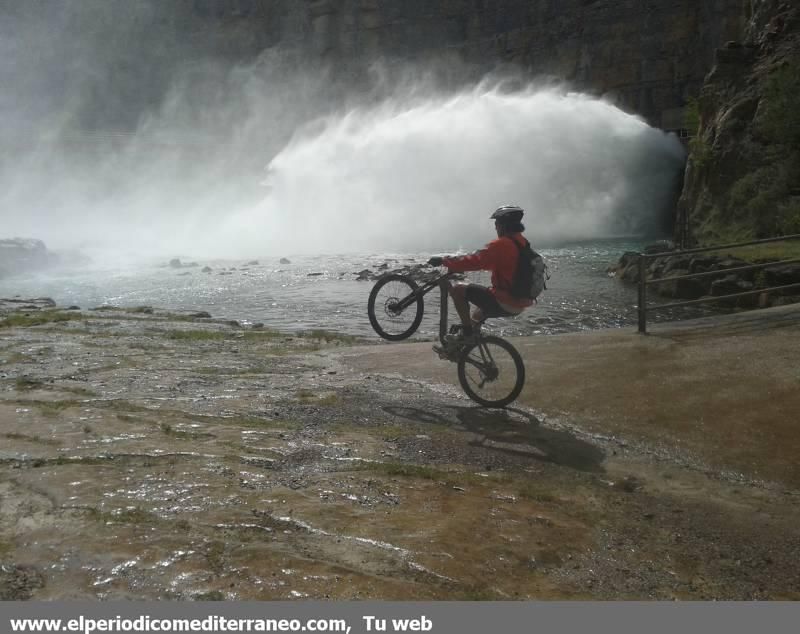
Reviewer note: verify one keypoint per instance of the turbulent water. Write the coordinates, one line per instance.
(322, 291)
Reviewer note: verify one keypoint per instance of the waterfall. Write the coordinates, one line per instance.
(426, 174)
(273, 159)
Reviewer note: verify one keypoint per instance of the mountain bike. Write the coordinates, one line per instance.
(490, 370)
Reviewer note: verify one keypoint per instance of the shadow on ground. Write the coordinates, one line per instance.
(514, 431)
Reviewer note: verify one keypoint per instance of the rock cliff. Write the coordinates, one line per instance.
(651, 57)
(743, 175)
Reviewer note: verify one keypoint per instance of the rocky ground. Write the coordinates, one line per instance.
(154, 455)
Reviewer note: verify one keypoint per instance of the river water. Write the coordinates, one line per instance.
(322, 292)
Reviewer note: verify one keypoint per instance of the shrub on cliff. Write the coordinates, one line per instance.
(763, 202)
(760, 202)
(781, 119)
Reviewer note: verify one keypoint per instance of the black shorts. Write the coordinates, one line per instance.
(483, 299)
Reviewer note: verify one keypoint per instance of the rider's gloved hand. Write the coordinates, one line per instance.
(436, 261)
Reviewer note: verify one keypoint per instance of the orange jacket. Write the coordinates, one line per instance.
(500, 257)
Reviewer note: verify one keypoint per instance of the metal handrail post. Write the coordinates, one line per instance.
(642, 296)
(643, 258)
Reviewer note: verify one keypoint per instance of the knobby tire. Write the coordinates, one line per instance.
(381, 317)
(518, 369)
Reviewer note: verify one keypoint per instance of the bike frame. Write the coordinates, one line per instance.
(443, 282)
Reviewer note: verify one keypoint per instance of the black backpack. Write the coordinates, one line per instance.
(531, 274)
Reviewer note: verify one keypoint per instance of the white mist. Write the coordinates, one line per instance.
(422, 176)
(404, 174)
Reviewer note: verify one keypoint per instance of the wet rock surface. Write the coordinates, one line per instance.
(149, 454)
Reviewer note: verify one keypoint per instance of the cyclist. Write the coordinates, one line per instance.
(500, 257)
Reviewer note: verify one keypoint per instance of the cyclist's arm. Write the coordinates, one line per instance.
(484, 260)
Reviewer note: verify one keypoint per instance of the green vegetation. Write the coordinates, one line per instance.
(262, 334)
(761, 205)
(183, 525)
(147, 310)
(790, 211)
(181, 434)
(524, 488)
(25, 320)
(24, 383)
(770, 252)
(37, 439)
(213, 595)
(691, 115)
(220, 371)
(147, 347)
(249, 421)
(195, 335)
(531, 491)
(215, 556)
(48, 408)
(700, 152)
(327, 401)
(127, 418)
(78, 391)
(764, 202)
(394, 469)
(479, 593)
(782, 117)
(309, 396)
(133, 515)
(328, 336)
(38, 463)
(398, 431)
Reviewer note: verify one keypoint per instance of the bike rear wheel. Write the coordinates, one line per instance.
(388, 319)
(491, 372)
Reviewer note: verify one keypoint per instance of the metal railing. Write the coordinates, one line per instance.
(644, 258)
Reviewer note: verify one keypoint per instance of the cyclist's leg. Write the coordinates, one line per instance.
(459, 294)
(485, 303)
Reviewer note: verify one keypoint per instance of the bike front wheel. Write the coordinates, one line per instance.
(491, 372)
(394, 311)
